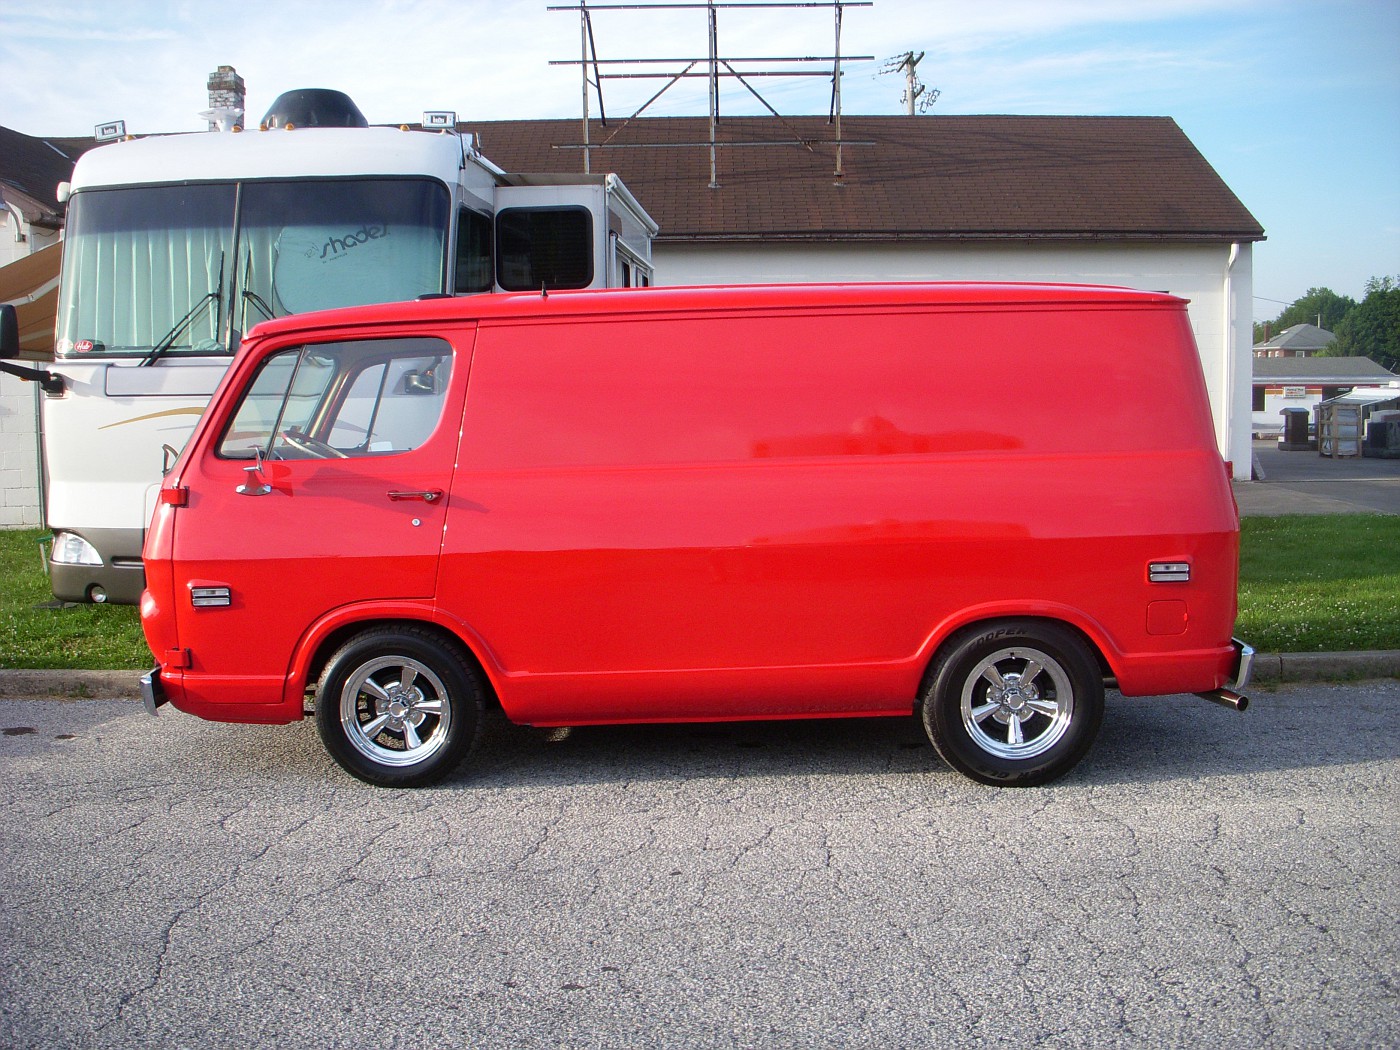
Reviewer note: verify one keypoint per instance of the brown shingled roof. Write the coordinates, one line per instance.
(30, 172)
(906, 178)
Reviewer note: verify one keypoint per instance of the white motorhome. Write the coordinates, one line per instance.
(178, 245)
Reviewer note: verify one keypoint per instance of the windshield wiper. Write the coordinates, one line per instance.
(258, 301)
(168, 340)
(250, 296)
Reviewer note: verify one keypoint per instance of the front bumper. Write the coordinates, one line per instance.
(152, 692)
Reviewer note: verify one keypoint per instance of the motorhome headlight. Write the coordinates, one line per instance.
(71, 549)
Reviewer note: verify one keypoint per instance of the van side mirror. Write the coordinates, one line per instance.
(9, 332)
(420, 383)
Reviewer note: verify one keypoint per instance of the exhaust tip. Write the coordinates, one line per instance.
(1226, 698)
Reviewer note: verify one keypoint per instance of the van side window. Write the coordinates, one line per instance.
(342, 400)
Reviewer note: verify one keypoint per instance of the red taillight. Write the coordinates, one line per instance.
(175, 497)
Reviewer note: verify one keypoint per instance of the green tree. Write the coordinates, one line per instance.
(1373, 328)
(1316, 303)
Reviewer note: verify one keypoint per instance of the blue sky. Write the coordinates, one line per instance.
(1296, 103)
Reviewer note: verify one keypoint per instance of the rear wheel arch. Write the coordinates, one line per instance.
(951, 638)
(1086, 629)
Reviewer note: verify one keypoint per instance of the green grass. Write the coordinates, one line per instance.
(91, 637)
(1307, 584)
(1326, 583)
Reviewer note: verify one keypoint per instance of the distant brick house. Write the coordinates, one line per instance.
(1302, 340)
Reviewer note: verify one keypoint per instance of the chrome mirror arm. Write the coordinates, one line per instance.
(255, 484)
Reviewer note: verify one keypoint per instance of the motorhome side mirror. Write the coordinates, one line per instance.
(421, 383)
(9, 349)
(9, 332)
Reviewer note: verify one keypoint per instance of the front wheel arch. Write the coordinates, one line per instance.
(324, 640)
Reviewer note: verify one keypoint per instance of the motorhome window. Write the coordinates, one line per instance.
(342, 400)
(474, 264)
(546, 248)
(156, 265)
(632, 271)
(320, 244)
(137, 261)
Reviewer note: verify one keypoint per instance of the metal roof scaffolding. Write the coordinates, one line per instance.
(716, 68)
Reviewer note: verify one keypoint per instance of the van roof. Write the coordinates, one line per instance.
(723, 298)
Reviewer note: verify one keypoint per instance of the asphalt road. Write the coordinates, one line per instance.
(1306, 483)
(1205, 878)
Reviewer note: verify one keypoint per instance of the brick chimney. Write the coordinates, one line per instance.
(226, 95)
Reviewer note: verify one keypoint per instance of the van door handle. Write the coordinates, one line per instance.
(428, 496)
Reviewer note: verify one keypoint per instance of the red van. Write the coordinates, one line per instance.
(976, 504)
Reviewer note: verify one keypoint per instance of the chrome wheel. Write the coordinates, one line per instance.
(1017, 703)
(395, 711)
(399, 705)
(1013, 702)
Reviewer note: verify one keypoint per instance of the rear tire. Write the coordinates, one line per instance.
(399, 706)
(1015, 703)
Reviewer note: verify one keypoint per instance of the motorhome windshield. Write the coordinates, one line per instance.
(188, 269)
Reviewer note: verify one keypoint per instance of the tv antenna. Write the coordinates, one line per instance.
(713, 66)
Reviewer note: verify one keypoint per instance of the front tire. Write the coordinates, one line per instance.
(1016, 703)
(399, 706)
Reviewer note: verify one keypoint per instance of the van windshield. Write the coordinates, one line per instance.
(189, 269)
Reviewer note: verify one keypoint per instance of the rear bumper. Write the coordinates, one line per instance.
(1191, 671)
(1244, 664)
(1231, 695)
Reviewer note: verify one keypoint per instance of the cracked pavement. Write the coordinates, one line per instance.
(1204, 877)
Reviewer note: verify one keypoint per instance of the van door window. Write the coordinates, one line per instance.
(342, 400)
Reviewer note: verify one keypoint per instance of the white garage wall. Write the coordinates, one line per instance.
(1220, 291)
(19, 455)
(19, 443)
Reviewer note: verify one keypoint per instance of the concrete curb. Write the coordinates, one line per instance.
(1269, 669)
(70, 685)
(1280, 668)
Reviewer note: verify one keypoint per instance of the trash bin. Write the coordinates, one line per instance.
(1383, 436)
(1295, 431)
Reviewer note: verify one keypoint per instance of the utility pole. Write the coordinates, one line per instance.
(917, 98)
(912, 88)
